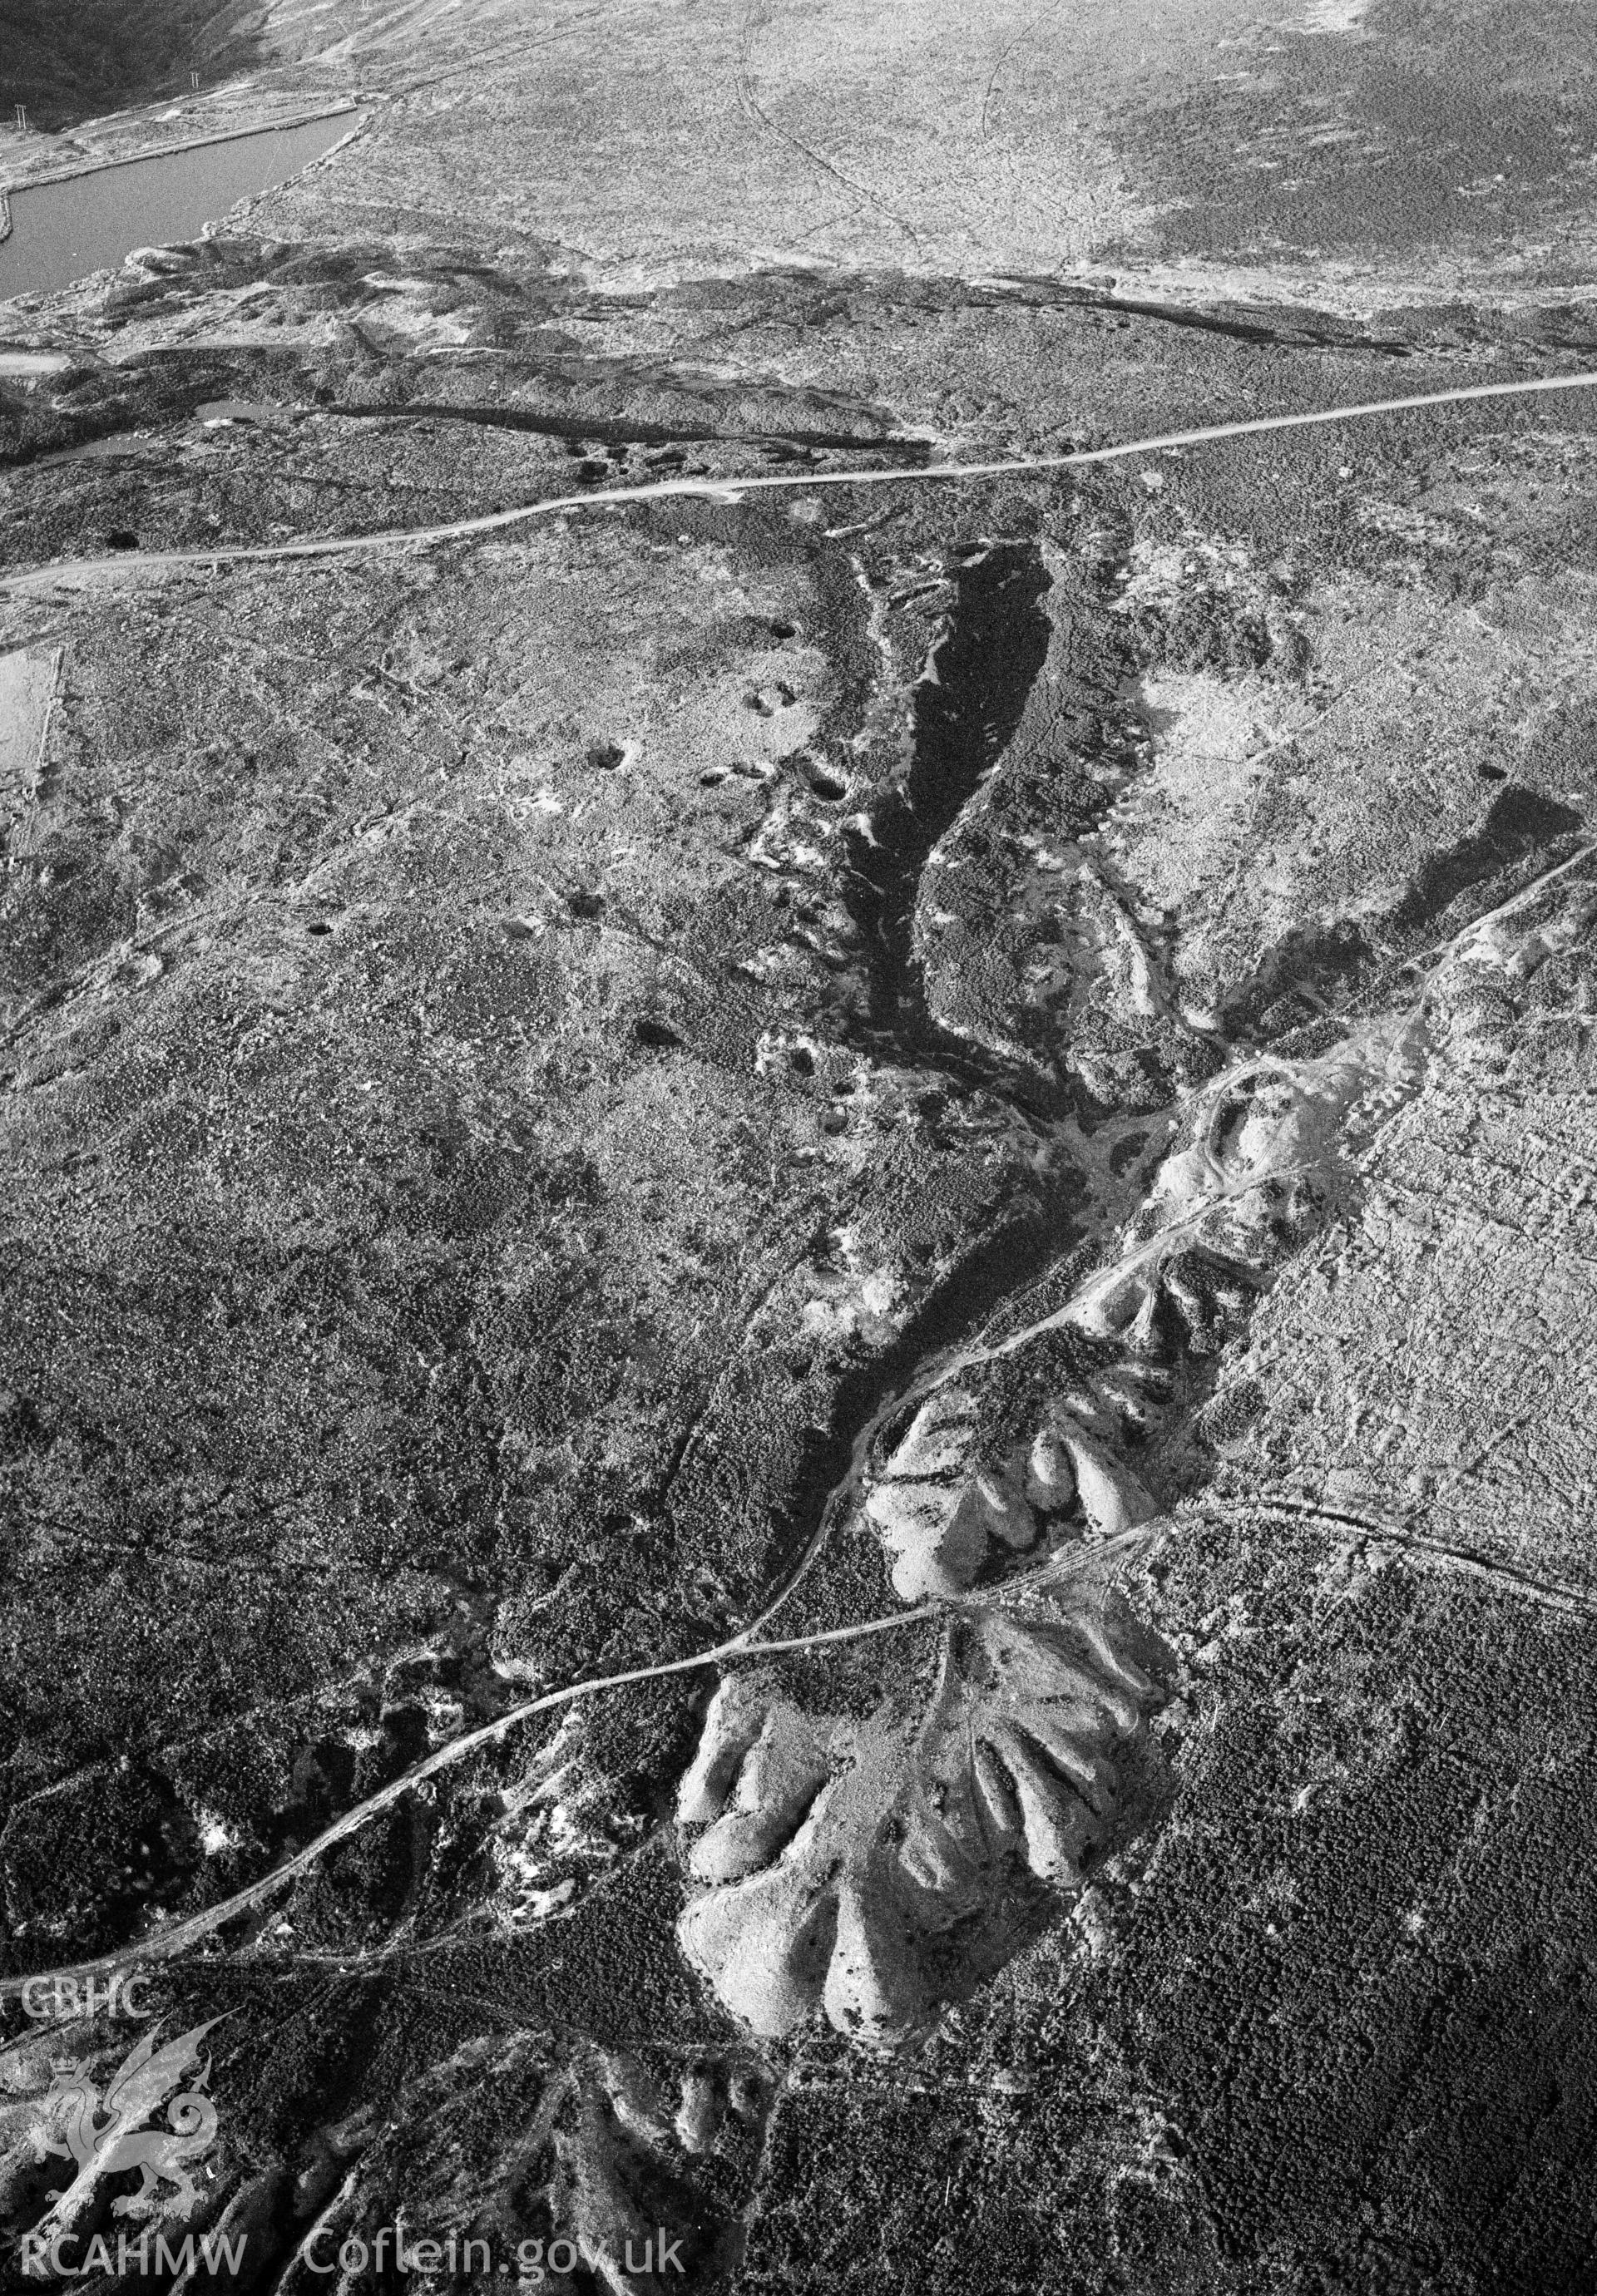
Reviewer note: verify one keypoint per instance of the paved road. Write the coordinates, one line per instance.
(126, 565)
(175, 1938)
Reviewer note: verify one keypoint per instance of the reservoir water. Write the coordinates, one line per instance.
(63, 231)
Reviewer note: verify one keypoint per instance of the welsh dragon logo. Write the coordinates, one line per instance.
(106, 2135)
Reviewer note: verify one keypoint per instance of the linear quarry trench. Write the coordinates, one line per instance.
(1388, 1050)
(945, 1367)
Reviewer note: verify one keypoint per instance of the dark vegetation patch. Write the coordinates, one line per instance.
(995, 645)
(1520, 824)
(71, 60)
(81, 1864)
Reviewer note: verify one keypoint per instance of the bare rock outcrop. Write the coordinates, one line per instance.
(838, 1856)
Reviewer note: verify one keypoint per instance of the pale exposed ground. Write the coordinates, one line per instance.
(1335, 15)
(685, 140)
(1432, 1369)
(696, 137)
(1415, 701)
(27, 683)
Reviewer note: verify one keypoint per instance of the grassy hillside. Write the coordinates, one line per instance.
(69, 59)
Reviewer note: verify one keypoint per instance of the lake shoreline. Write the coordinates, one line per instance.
(87, 242)
(168, 151)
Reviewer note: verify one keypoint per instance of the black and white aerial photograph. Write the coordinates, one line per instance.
(798, 1147)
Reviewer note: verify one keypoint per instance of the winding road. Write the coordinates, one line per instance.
(174, 1938)
(121, 566)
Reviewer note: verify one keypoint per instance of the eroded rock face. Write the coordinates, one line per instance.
(935, 1516)
(946, 1518)
(839, 1854)
(625, 2185)
(1261, 1160)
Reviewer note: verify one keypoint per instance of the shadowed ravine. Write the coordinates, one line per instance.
(966, 708)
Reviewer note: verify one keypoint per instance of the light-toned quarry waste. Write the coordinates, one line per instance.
(943, 1518)
(799, 1249)
(838, 1857)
